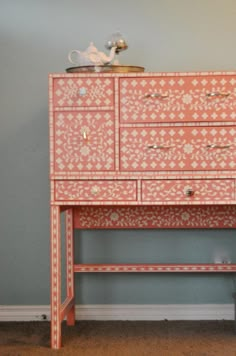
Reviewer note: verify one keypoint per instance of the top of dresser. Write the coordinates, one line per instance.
(143, 74)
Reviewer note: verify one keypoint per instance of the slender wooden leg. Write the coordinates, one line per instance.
(55, 278)
(70, 264)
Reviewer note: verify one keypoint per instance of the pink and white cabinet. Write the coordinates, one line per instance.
(149, 150)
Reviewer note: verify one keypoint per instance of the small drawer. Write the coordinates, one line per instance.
(188, 190)
(96, 190)
(83, 92)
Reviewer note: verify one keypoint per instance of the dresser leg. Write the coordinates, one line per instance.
(55, 278)
(71, 317)
(70, 264)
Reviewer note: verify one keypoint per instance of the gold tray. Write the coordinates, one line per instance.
(105, 69)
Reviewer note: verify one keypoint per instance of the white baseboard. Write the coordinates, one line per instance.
(124, 312)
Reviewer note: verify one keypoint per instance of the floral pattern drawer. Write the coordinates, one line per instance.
(188, 190)
(83, 92)
(96, 190)
(84, 141)
(209, 98)
(178, 148)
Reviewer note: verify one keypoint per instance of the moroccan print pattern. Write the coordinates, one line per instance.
(178, 99)
(83, 92)
(188, 148)
(96, 190)
(84, 141)
(155, 217)
(177, 190)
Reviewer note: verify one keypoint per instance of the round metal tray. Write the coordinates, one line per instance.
(105, 69)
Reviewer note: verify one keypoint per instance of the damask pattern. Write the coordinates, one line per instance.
(174, 99)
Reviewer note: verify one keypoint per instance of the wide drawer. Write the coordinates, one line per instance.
(93, 190)
(185, 190)
(83, 92)
(209, 98)
(178, 148)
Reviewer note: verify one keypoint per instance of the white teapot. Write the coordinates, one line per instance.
(91, 56)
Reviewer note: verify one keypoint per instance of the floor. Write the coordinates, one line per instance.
(121, 338)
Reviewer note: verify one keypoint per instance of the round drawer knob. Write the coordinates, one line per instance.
(189, 192)
(94, 190)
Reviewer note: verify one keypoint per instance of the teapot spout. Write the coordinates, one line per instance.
(108, 59)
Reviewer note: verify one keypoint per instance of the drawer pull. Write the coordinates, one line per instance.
(85, 137)
(160, 147)
(189, 192)
(217, 94)
(214, 145)
(155, 95)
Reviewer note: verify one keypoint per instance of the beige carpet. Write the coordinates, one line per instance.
(121, 338)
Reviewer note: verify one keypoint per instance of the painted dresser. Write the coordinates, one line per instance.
(149, 150)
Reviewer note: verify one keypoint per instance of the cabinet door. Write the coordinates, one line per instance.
(209, 98)
(83, 141)
(178, 148)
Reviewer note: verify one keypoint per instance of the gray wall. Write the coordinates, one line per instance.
(35, 37)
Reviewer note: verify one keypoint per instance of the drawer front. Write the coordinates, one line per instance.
(84, 141)
(188, 190)
(178, 99)
(178, 148)
(83, 92)
(105, 190)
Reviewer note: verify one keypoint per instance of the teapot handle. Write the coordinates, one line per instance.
(71, 54)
